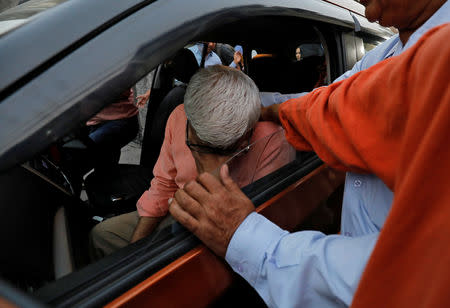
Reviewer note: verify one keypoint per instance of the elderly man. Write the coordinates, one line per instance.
(339, 260)
(218, 119)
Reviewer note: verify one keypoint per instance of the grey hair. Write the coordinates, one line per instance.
(221, 104)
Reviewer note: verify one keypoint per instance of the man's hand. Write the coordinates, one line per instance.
(237, 59)
(211, 209)
(270, 113)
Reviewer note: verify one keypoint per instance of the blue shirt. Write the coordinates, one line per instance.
(308, 268)
(211, 59)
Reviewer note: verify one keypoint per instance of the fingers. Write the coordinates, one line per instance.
(141, 100)
(209, 182)
(182, 216)
(196, 191)
(188, 204)
(226, 179)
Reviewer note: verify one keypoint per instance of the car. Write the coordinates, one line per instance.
(64, 64)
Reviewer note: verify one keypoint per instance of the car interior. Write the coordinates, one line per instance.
(44, 227)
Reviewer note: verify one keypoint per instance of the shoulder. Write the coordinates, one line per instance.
(177, 117)
(179, 111)
(215, 57)
(264, 128)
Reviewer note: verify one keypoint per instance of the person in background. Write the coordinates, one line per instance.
(238, 58)
(114, 127)
(298, 55)
(103, 136)
(210, 58)
(205, 56)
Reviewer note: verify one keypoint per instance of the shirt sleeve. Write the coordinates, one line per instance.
(302, 269)
(154, 202)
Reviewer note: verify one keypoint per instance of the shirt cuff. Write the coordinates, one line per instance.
(248, 247)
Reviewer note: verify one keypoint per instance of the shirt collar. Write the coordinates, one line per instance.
(440, 17)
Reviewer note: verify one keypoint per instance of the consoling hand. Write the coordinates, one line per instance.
(212, 209)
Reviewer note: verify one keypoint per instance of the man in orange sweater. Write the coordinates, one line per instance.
(399, 134)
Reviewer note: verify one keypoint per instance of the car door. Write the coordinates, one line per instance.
(75, 67)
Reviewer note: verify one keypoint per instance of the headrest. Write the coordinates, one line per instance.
(184, 65)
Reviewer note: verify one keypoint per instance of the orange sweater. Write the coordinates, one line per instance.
(393, 120)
